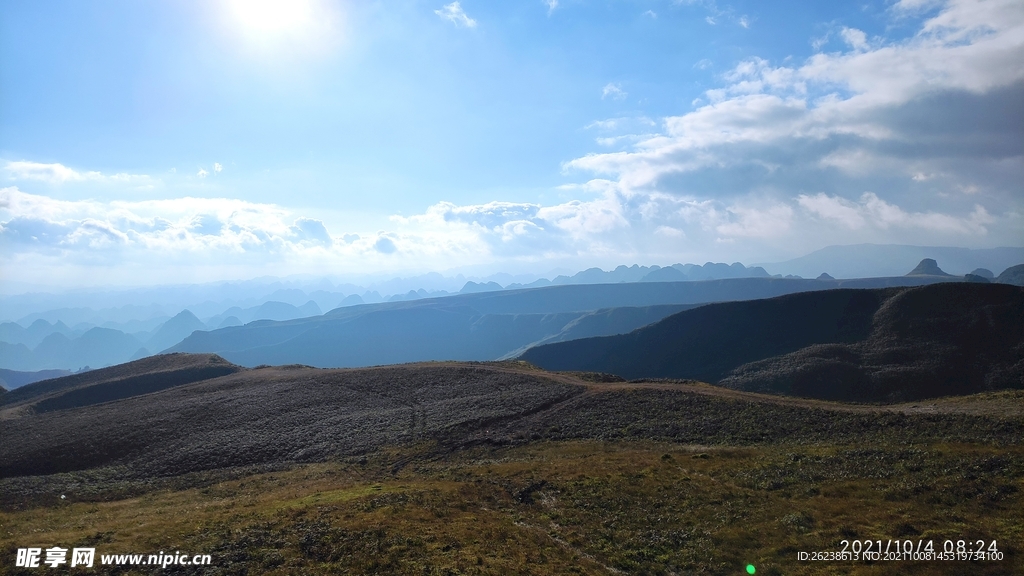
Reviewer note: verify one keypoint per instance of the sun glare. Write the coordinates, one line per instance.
(271, 16)
(271, 23)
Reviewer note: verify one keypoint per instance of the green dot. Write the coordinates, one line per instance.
(751, 569)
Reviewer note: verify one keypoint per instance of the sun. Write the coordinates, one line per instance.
(272, 17)
(276, 26)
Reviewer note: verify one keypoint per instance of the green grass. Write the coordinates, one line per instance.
(568, 507)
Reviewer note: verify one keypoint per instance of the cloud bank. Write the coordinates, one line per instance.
(55, 173)
(893, 141)
(946, 102)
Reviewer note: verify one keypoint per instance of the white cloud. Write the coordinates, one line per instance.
(651, 14)
(59, 174)
(868, 112)
(819, 42)
(202, 173)
(757, 222)
(915, 5)
(182, 224)
(621, 123)
(877, 213)
(551, 4)
(613, 91)
(716, 14)
(856, 39)
(834, 208)
(385, 245)
(159, 239)
(669, 232)
(217, 167)
(453, 13)
(312, 231)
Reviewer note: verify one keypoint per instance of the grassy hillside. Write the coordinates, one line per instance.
(501, 468)
(867, 345)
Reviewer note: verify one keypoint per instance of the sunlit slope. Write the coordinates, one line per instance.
(876, 345)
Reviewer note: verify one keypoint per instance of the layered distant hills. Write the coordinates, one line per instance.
(422, 324)
(486, 325)
(869, 345)
(46, 346)
(635, 273)
(303, 469)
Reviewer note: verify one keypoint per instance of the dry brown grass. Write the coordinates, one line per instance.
(584, 507)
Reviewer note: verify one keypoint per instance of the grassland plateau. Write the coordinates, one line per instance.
(495, 468)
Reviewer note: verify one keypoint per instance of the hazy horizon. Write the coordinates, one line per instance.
(203, 142)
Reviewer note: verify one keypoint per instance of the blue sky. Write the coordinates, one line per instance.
(145, 142)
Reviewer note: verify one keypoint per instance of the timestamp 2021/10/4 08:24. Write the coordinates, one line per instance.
(903, 550)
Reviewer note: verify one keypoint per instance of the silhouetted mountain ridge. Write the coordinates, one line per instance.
(927, 267)
(867, 345)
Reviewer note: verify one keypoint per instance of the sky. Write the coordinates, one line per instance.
(146, 143)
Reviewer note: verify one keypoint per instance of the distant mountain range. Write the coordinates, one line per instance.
(635, 273)
(887, 344)
(14, 333)
(877, 260)
(45, 345)
(49, 343)
(486, 325)
(271, 310)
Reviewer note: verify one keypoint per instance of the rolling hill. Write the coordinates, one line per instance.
(261, 416)
(204, 413)
(116, 382)
(495, 468)
(868, 345)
